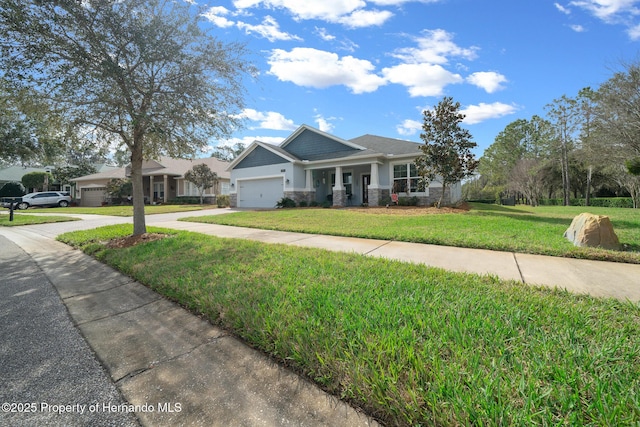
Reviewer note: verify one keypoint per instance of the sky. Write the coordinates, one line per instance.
(355, 67)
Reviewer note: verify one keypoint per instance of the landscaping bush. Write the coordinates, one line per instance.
(12, 189)
(185, 200)
(408, 201)
(223, 200)
(313, 204)
(303, 203)
(384, 201)
(286, 202)
(603, 202)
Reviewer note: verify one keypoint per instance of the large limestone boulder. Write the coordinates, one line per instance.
(592, 230)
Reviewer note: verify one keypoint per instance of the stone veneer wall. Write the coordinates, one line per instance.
(432, 199)
(299, 196)
(339, 197)
(233, 200)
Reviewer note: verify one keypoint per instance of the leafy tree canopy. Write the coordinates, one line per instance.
(202, 177)
(447, 149)
(140, 74)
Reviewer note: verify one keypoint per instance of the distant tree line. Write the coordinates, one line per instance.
(585, 145)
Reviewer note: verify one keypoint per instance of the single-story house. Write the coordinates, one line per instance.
(312, 165)
(163, 180)
(15, 174)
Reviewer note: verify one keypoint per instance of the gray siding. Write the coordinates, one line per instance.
(312, 146)
(260, 157)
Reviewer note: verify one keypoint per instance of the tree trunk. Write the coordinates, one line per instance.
(566, 190)
(444, 188)
(139, 223)
(587, 195)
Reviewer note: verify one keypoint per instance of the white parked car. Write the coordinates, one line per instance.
(45, 198)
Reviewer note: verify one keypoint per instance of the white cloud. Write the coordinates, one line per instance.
(421, 79)
(434, 47)
(481, 112)
(269, 29)
(351, 13)
(409, 127)
(324, 123)
(562, 9)
(634, 32)
(487, 80)
(322, 33)
(365, 18)
(577, 28)
(268, 120)
(217, 16)
(608, 10)
(320, 69)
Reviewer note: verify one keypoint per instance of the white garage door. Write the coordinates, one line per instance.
(260, 193)
(92, 196)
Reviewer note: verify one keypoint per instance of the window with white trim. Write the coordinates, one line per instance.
(406, 178)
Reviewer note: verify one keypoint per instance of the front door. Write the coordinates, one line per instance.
(158, 191)
(366, 180)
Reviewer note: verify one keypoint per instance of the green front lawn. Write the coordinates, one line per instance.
(25, 219)
(518, 229)
(409, 344)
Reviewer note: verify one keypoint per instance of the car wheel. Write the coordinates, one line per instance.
(23, 206)
(63, 203)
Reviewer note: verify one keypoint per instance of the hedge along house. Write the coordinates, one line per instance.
(311, 165)
(163, 180)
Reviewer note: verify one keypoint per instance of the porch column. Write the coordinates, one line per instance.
(166, 190)
(309, 183)
(151, 189)
(338, 183)
(374, 193)
(375, 180)
(339, 193)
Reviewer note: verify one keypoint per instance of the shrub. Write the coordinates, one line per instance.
(408, 201)
(185, 200)
(326, 204)
(303, 203)
(12, 189)
(313, 204)
(384, 201)
(286, 202)
(602, 202)
(223, 200)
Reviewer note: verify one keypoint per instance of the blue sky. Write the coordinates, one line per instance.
(355, 67)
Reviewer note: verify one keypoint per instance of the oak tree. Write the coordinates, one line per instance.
(145, 75)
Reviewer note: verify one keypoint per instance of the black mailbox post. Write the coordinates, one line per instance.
(13, 204)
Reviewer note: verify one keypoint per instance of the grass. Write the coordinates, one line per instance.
(24, 219)
(411, 345)
(516, 229)
(125, 210)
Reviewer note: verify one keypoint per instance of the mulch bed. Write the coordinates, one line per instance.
(125, 242)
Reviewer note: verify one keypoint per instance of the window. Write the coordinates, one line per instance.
(224, 187)
(347, 181)
(406, 179)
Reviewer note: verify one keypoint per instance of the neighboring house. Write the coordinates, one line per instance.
(312, 165)
(162, 179)
(15, 174)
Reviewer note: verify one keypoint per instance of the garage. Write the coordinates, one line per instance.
(92, 196)
(260, 193)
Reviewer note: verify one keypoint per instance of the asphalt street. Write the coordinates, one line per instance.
(48, 374)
